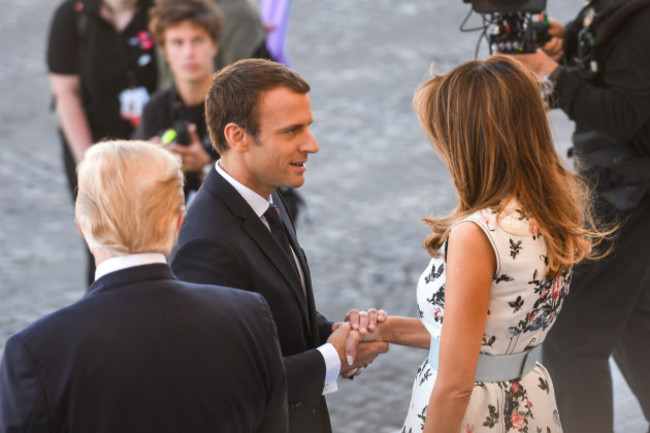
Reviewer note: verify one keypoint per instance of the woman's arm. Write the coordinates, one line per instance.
(74, 123)
(405, 331)
(471, 264)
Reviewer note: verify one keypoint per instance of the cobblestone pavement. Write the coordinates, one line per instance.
(366, 189)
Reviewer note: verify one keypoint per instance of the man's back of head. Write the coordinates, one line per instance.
(130, 198)
(142, 350)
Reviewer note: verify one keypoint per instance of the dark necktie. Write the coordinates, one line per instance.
(278, 231)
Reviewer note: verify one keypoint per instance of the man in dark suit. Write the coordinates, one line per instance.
(237, 231)
(143, 351)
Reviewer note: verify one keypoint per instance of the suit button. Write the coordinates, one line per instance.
(295, 405)
(314, 409)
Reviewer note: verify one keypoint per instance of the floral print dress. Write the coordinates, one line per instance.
(523, 307)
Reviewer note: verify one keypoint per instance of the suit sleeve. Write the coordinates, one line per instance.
(324, 327)
(206, 261)
(23, 407)
(276, 417)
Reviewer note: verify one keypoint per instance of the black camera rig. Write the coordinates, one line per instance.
(510, 26)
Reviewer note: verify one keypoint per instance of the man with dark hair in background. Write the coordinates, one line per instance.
(187, 32)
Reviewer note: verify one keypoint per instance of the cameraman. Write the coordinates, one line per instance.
(601, 79)
(188, 33)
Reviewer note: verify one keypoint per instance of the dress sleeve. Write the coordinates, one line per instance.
(63, 41)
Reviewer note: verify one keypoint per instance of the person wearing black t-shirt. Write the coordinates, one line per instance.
(188, 33)
(598, 67)
(102, 65)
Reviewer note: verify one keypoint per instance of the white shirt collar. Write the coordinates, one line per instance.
(122, 262)
(258, 203)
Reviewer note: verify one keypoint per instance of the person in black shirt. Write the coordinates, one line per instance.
(602, 83)
(102, 65)
(188, 33)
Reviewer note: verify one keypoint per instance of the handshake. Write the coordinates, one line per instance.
(358, 340)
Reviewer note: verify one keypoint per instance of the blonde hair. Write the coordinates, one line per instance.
(130, 197)
(488, 123)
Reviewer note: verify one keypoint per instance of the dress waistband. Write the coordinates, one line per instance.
(495, 368)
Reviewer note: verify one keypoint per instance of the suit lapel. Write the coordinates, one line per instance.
(257, 231)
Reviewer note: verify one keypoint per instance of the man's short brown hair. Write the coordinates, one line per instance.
(235, 94)
(168, 13)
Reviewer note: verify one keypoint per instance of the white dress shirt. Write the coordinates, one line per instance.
(259, 205)
(118, 263)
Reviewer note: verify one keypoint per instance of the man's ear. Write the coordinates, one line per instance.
(236, 137)
(181, 217)
(80, 231)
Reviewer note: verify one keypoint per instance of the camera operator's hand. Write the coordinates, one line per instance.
(538, 62)
(194, 156)
(554, 47)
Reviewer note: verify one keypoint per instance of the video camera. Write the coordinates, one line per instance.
(511, 26)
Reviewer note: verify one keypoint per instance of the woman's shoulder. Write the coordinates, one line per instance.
(510, 218)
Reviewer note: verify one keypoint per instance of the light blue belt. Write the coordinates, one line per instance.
(495, 368)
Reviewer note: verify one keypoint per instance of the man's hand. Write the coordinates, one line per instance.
(345, 342)
(194, 157)
(365, 353)
(538, 62)
(363, 325)
(554, 47)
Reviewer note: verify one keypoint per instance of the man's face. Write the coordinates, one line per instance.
(190, 52)
(277, 158)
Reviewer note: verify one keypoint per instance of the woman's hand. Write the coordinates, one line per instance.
(365, 321)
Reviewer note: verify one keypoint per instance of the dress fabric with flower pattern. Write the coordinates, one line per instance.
(523, 307)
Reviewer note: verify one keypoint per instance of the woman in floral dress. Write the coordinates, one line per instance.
(502, 259)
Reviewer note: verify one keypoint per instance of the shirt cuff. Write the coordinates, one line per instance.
(332, 367)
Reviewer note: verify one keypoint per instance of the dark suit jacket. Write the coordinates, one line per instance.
(145, 352)
(222, 241)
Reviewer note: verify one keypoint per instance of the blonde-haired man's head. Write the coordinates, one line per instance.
(130, 198)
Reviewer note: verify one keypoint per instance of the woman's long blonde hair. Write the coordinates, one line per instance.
(488, 124)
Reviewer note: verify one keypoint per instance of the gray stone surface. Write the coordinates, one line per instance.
(372, 180)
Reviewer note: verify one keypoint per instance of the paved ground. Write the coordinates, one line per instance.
(372, 180)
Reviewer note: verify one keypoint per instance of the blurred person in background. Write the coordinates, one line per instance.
(598, 67)
(243, 35)
(102, 65)
(187, 32)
